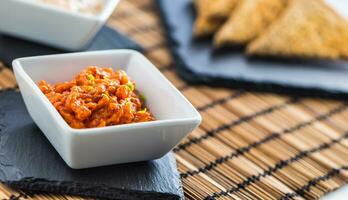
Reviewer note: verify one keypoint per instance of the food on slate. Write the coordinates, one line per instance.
(307, 29)
(83, 6)
(97, 97)
(203, 26)
(210, 15)
(220, 9)
(248, 20)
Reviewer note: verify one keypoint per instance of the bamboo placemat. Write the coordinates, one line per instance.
(250, 145)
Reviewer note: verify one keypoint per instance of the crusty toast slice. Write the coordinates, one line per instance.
(306, 29)
(210, 16)
(203, 26)
(247, 21)
(221, 9)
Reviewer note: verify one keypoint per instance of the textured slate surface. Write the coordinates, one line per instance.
(198, 63)
(29, 162)
(12, 48)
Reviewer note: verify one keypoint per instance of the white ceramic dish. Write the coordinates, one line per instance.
(51, 25)
(83, 148)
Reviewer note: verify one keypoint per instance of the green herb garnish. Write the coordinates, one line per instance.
(90, 77)
(130, 86)
(142, 97)
(143, 111)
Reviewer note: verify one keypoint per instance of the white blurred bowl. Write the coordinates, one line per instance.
(83, 148)
(52, 25)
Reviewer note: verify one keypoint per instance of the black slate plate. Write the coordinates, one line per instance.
(29, 162)
(12, 48)
(198, 63)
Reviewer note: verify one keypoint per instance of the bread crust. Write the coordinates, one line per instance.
(210, 16)
(249, 19)
(306, 30)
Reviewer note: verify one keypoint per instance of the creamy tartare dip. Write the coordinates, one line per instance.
(92, 7)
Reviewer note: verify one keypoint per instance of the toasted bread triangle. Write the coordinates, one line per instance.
(221, 9)
(247, 21)
(203, 26)
(307, 29)
(210, 15)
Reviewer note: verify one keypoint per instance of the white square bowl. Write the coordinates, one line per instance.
(83, 148)
(51, 25)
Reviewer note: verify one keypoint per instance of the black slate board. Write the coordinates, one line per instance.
(29, 162)
(107, 38)
(198, 63)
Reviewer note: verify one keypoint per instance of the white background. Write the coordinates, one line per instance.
(340, 6)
